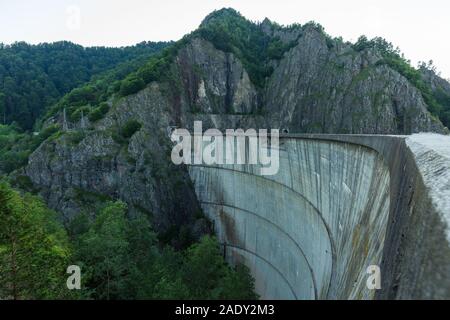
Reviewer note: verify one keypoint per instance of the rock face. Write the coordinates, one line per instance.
(78, 169)
(336, 90)
(215, 81)
(435, 81)
(319, 85)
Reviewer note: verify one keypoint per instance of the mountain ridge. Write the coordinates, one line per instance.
(32, 77)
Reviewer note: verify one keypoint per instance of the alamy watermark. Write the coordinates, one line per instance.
(74, 280)
(374, 280)
(211, 147)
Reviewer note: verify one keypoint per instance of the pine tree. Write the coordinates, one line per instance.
(204, 268)
(238, 284)
(104, 251)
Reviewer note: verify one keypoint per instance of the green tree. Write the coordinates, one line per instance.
(168, 276)
(2, 108)
(238, 284)
(143, 254)
(204, 269)
(103, 250)
(131, 85)
(34, 251)
(122, 259)
(130, 128)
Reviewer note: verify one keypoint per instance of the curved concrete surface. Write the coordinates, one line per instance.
(338, 204)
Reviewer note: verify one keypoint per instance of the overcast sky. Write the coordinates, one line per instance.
(420, 28)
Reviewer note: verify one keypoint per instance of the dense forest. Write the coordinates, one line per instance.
(120, 258)
(33, 77)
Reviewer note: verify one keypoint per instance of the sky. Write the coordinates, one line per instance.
(420, 28)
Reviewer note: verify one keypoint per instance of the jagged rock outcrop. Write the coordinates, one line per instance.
(320, 85)
(318, 88)
(435, 81)
(215, 81)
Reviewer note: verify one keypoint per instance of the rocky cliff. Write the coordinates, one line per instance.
(331, 88)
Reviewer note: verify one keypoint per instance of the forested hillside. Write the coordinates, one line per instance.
(33, 77)
(120, 258)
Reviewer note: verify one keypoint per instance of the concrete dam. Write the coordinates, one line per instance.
(338, 204)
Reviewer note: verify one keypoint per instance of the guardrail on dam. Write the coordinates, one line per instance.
(338, 204)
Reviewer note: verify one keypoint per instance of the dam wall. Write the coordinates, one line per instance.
(338, 204)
